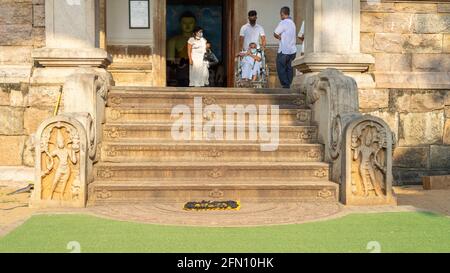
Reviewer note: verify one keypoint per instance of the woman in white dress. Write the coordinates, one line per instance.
(198, 71)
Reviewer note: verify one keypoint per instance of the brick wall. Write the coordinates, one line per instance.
(410, 41)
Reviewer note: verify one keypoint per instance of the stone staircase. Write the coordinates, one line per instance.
(141, 162)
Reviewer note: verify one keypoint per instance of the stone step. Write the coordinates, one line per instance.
(127, 132)
(208, 152)
(287, 117)
(188, 191)
(168, 99)
(211, 90)
(211, 171)
(441, 182)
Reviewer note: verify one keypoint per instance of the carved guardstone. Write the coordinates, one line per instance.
(61, 164)
(367, 163)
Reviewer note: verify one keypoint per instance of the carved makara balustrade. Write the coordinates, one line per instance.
(358, 147)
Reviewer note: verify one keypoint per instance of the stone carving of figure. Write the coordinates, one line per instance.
(64, 155)
(366, 147)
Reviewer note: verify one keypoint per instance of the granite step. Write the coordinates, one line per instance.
(116, 132)
(141, 161)
(211, 171)
(211, 90)
(287, 117)
(208, 152)
(195, 190)
(167, 99)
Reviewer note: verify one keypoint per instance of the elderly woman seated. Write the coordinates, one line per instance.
(251, 63)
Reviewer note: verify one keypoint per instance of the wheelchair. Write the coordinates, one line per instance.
(262, 80)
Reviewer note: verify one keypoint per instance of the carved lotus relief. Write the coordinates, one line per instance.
(325, 194)
(105, 173)
(302, 116)
(299, 102)
(104, 194)
(313, 154)
(306, 134)
(115, 114)
(116, 101)
(214, 153)
(216, 193)
(209, 100)
(115, 133)
(216, 173)
(321, 173)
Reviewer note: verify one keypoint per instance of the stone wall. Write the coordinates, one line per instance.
(22, 107)
(132, 65)
(410, 41)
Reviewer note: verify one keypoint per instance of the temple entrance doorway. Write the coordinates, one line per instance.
(182, 16)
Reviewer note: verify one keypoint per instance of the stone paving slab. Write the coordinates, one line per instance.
(14, 211)
(250, 214)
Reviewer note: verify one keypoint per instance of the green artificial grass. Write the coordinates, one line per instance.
(395, 232)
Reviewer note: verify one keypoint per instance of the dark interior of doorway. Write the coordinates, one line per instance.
(210, 15)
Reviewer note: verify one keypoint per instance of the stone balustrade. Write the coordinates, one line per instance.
(358, 147)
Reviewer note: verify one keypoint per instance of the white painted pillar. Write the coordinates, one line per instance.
(332, 40)
(72, 36)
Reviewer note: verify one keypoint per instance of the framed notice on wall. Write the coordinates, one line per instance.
(139, 14)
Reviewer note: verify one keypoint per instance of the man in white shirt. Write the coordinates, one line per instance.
(301, 38)
(252, 33)
(286, 33)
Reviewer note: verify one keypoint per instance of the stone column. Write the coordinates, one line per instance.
(332, 40)
(72, 35)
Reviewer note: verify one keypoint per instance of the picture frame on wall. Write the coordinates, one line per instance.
(139, 14)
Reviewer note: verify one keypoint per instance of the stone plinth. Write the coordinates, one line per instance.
(317, 62)
(436, 182)
(71, 36)
(333, 40)
(66, 57)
